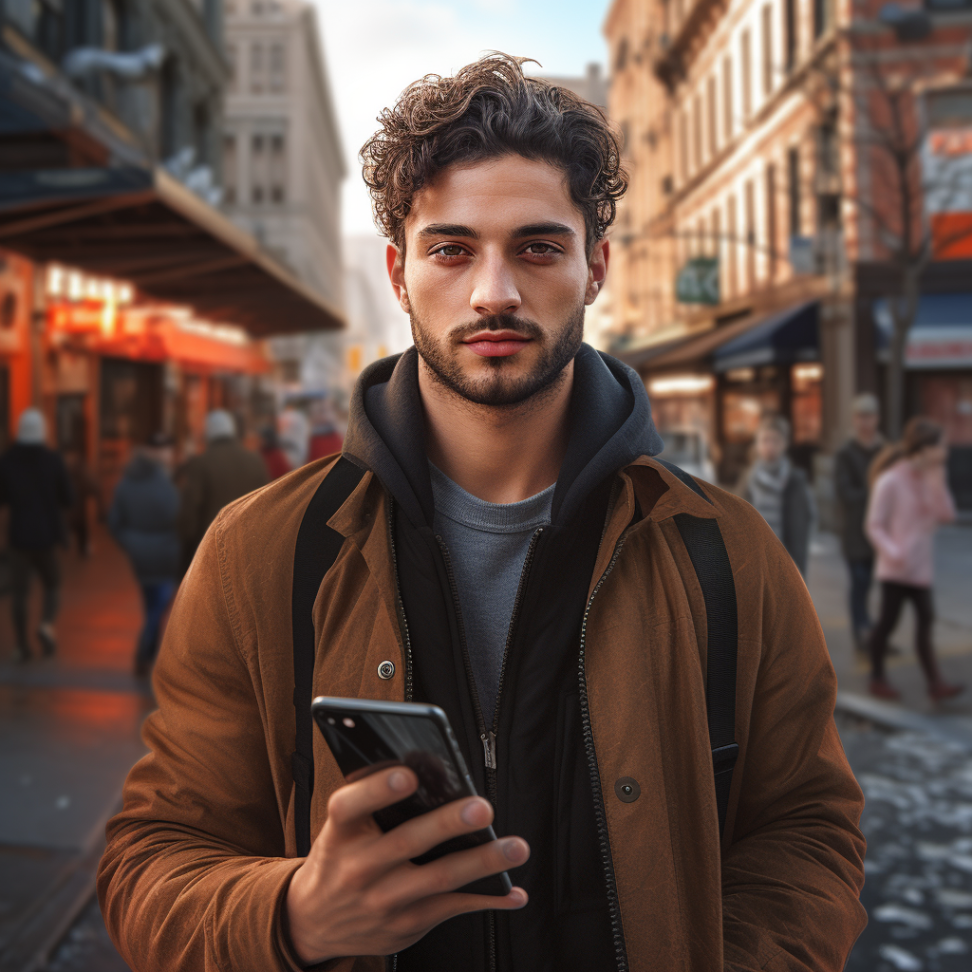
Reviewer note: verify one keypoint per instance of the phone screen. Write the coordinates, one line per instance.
(366, 739)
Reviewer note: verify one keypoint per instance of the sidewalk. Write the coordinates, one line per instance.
(828, 583)
(69, 732)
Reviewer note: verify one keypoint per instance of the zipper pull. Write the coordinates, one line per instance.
(489, 748)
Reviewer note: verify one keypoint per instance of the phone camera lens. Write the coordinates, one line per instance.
(348, 721)
(330, 720)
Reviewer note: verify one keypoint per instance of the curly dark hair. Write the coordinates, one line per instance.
(490, 109)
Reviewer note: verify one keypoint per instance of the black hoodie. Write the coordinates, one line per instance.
(542, 783)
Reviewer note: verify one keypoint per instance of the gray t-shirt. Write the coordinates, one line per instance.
(487, 544)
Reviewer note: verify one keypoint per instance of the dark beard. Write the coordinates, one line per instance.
(495, 388)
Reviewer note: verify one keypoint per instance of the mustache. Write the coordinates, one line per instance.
(498, 322)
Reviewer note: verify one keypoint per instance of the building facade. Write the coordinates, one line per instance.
(282, 162)
(128, 303)
(751, 251)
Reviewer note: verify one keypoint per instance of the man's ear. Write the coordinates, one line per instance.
(597, 270)
(395, 261)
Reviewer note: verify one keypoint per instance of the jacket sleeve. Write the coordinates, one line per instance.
(944, 504)
(194, 876)
(847, 486)
(793, 872)
(877, 522)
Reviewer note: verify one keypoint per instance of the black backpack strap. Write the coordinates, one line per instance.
(316, 550)
(707, 551)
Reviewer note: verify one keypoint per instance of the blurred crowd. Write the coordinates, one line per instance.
(158, 513)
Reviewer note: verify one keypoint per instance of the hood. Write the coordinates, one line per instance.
(141, 467)
(610, 426)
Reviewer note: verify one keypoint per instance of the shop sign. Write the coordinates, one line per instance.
(947, 175)
(14, 309)
(698, 281)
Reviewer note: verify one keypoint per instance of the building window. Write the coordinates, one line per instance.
(683, 143)
(771, 241)
(229, 169)
(713, 116)
(716, 235)
(828, 151)
(732, 243)
(767, 50)
(697, 131)
(278, 169)
(793, 179)
(256, 68)
(789, 7)
(278, 68)
(727, 125)
(258, 169)
(231, 60)
(747, 76)
(750, 197)
(822, 13)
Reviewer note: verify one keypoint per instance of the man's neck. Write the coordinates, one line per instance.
(499, 454)
(868, 442)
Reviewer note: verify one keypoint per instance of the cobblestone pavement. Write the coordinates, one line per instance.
(918, 825)
(87, 947)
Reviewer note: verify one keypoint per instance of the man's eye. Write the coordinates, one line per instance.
(449, 250)
(541, 249)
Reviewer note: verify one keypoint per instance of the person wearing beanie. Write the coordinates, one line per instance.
(34, 483)
(225, 471)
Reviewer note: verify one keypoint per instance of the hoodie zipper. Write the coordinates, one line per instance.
(487, 735)
(602, 833)
(400, 609)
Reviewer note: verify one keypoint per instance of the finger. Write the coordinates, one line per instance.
(420, 834)
(458, 869)
(353, 803)
(433, 911)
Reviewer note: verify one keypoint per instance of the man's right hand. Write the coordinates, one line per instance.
(358, 893)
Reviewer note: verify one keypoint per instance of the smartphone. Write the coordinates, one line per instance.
(367, 735)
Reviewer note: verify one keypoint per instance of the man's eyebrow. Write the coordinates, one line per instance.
(543, 229)
(447, 229)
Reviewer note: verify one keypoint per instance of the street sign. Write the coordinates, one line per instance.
(803, 255)
(698, 281)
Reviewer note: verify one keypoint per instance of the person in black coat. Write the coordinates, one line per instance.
(144, 518)
(851, 467)
(34, 484)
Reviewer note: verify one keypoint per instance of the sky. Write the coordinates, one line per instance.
(375, 48)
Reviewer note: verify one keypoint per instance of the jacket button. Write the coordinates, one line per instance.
(386, 669)
(627, 789)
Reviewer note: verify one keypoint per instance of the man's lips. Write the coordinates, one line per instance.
(496, 344)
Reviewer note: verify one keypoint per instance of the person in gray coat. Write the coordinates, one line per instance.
(144, 519)
(780, 491)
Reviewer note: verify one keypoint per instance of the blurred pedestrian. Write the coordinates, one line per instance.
(85, 488)
(294, 433)
(853, 462)
(273, 456)
(909, 500)
(326, 438)
(223, 472)
(34, 483)
(144, 519)
(779, 490)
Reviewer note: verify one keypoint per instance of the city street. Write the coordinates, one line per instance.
(70, 732)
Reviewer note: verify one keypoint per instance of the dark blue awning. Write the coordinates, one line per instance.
(941, 336)
(785, 338)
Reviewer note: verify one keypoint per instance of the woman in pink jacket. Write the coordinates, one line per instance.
(908, 502)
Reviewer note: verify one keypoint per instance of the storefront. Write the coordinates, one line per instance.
(16, 281)
(723, 380)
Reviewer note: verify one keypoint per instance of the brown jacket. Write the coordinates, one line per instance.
(199, 860)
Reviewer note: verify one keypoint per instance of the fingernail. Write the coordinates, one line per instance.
(398, 781)
(472, 813)
(519, 897)
(515, 851)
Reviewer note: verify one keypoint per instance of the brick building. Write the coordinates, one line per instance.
(749, 263)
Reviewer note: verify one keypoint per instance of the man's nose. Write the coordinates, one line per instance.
(494, 288)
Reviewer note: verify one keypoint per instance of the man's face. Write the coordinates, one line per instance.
(770, 446)
(865, 425)
(495, 278)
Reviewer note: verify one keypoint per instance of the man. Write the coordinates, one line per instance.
(34, 484)
(143, 519)
(851, 468)
(510, 554)
(225, 471)
(779, 490)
